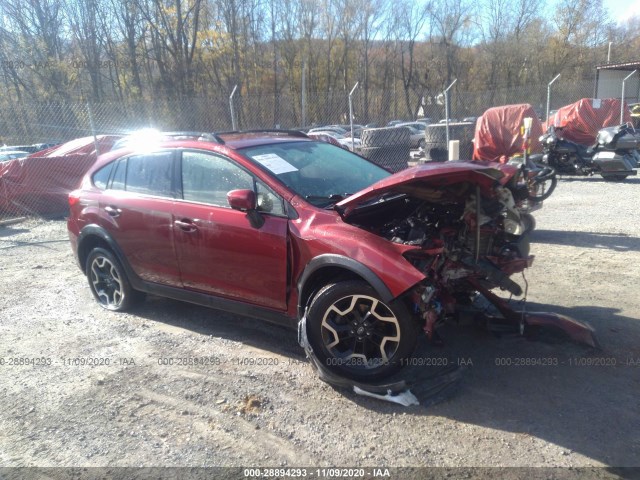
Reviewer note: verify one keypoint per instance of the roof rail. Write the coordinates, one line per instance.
(204, 136)
(293, 133)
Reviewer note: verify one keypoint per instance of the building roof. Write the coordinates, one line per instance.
(619, 66)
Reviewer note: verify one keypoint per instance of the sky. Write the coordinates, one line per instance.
(620, 10)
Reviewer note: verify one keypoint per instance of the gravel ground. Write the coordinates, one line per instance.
(94, 390)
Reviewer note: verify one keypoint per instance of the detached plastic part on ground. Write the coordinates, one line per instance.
(438, 386)
(428, 389)
(533, 324)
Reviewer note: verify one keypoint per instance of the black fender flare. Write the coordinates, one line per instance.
(93, 230)
(334, 260)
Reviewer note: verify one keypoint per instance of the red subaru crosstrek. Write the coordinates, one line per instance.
(274, 225)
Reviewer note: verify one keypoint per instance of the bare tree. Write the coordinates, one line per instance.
(174, 29)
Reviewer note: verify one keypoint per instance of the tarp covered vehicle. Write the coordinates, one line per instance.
(40, 184)
(498, 135)
(581, 121)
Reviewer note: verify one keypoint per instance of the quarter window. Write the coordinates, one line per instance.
(101, 177)
(117, 181)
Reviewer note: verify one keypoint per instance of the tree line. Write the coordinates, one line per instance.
(114, 50)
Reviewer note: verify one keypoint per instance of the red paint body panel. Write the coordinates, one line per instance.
(217, 251)
(318, 232)
(431, 175)
(144, 231)
(224, 255)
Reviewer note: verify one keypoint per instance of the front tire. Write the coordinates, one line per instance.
(528, 221)
(357, 335)
(108, 281)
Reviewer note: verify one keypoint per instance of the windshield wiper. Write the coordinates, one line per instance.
(330, 199)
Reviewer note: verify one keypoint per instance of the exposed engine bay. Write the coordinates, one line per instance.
(466, 239)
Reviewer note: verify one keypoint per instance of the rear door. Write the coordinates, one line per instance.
(218, 250)
(137, 207)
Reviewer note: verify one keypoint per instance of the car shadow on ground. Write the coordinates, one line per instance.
(597, 179)
(205, 321)
(582, 399)
(619, 242)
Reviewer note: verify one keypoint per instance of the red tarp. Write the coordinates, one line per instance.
(40, 183)
(581, 121)
(498, 134)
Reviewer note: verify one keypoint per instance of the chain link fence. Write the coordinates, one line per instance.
(24, 182)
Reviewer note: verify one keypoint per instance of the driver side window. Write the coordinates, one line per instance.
(208, 178)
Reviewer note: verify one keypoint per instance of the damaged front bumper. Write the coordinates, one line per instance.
(528, 324)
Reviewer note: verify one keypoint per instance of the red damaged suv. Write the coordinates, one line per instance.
(274, 225)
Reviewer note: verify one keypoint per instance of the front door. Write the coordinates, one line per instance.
(218, 250)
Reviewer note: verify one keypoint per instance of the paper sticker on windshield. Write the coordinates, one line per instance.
(597, 103)
(275, 163)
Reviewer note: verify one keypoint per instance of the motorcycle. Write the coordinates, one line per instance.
(530, 183)
(614, 156)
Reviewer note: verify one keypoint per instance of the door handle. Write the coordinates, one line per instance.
(113, 211)
(186, 225)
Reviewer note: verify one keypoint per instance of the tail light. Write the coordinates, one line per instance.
(74, 198)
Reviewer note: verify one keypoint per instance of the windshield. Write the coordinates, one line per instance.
(321, 173)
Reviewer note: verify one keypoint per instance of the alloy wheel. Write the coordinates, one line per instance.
(106, 282)
(360, 331)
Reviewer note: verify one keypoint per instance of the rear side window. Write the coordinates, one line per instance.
(101, 177)
(117, 182)
(150, 174)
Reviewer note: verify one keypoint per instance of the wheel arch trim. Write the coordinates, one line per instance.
(346, 263)
(93, 230)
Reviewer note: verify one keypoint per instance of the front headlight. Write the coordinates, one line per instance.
(513, 227)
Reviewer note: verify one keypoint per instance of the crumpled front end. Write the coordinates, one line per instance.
(466, 236)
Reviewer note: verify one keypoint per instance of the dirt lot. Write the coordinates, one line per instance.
(94, 390)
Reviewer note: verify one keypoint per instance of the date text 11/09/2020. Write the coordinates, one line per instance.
(316, 472)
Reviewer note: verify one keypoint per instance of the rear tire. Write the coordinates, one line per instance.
(109, 283)
(357, 335)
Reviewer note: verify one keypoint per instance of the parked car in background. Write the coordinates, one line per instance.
(357, 129)
(6, 155)
(393, 123)
(416, 133)
(36, 147)
(425, 120)
(325, 137)
(343, 140)
(40, 183)
(347, 126)
(334, 129)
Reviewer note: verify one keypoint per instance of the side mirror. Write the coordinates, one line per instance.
(245, 201)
